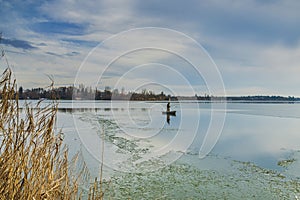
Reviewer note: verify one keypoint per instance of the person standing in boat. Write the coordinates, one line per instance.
(168, 107)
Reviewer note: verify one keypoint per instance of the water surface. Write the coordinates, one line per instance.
(147, 155)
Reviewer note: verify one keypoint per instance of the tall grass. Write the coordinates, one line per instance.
(34, 164)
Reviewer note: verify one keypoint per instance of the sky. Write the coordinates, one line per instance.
(253, 46)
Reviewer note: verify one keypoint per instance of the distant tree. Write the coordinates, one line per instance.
(107, 93)
(107, 89)
(144, 91)
(123, 91)
(115, 91)
(21, 92)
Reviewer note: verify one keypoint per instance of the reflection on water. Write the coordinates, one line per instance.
(80, 110)
(169, 117)
(252, 132)
(267, 127)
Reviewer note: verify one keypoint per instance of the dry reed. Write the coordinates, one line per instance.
(33, 161)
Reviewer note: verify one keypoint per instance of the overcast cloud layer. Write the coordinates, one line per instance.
(255, 44)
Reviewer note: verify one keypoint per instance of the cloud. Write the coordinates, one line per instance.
(254, 43)
(69, 54)
(100, 16)
(269, 70)
(78, 42)
(53, 54)
(238, 21)
(21, 44)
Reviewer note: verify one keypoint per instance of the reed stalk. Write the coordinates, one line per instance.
(34, 163)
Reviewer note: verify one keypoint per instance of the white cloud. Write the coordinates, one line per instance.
(252, 42)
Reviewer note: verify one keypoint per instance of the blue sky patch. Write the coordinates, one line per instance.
(86, 43)
(63, 28)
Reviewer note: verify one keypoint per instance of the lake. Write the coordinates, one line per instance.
(207, 151)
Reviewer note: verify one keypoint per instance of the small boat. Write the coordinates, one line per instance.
(169, 112)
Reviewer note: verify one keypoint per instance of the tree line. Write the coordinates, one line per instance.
(87, 93)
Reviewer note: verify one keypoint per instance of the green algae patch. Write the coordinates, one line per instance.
(182, 181)
(286, 163)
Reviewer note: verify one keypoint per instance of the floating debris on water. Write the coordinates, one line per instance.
(285, 163)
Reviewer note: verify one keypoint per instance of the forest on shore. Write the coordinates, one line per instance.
(88, 93)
